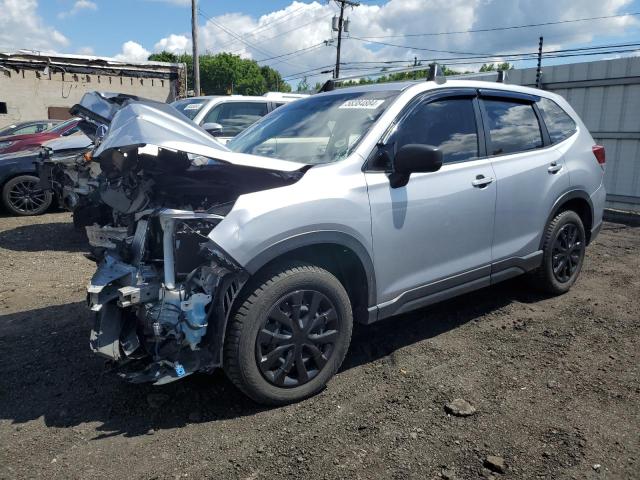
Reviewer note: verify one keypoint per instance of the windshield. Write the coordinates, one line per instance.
(319, 129)
(63, 125)
(189, 106)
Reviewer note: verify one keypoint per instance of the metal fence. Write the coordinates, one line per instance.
(606, 95)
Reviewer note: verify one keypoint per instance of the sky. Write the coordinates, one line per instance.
(294, 32)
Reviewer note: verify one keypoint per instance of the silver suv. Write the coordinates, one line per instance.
(353, 205)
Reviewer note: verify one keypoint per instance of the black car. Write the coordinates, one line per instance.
(20, 193)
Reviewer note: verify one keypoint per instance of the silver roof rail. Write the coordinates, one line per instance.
(331, 83)
(434, 74)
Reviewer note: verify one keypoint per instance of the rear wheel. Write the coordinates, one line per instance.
(21, 196)
(290, 334)
(564, 249)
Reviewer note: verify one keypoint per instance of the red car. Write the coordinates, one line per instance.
(18, 143)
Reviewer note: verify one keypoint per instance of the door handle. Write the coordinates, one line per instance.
(481, 181)
(554, 168)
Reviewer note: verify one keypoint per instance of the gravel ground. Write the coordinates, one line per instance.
(555, 382)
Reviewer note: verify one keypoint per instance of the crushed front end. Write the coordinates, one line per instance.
(161, 295)
(163, 289)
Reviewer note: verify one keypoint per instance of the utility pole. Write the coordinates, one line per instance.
(194, 41)
(539, 69)
(342, 4)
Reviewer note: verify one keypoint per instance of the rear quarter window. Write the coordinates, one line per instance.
(559, 124)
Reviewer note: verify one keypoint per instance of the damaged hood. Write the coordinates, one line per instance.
(72, 142)
(135, 122)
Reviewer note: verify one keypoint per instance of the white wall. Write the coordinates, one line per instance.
(28, 93)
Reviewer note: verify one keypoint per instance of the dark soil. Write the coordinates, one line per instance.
(555, 381)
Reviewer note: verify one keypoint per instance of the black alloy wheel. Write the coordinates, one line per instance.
(297, 338)
(567, 252)
(22, 196)
(563, 252)
(289, 333)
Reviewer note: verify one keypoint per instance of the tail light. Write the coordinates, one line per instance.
(598, 152)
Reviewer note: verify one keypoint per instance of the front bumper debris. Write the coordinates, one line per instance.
(156, 323)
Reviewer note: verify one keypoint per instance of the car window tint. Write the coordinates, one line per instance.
(513, 127)
(236, 116)
(559, 124)
(448, 124)
(26, 129)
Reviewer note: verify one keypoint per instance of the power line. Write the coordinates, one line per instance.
(497, 57)
(294, 52)
(268, 26)
(512, 27)
(566, 53)
(414, 48)
(233, 34)
(291, 30)
(238, 37)
(500, 55)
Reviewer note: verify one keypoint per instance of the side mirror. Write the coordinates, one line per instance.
(414, 158)
(214, 129)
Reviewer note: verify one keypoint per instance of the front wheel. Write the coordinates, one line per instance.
(290, 334)
(22, 196)
(563, 253)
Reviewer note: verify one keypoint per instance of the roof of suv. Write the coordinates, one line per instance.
(402, 86)
(266, 97)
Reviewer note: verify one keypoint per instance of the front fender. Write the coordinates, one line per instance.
(318, 237)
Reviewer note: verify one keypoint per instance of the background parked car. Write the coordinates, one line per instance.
(224, 117)
(20, 189)
(17, 143)
(33, 126)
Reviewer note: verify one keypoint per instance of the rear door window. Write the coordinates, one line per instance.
(512, 126)
(449, 124)
(559, 124)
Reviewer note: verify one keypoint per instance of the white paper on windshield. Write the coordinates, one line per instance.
(362, 104)
(193, 106)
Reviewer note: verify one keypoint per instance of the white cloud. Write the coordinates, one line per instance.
(133, 52)
(174, 44)
(78, 6)
(85, 51)
(272, 34)
(306, 25)
(22, 27)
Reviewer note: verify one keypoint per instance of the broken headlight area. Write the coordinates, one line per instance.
(161, 295)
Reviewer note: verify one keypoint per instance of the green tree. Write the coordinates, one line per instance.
(225, 74)
(303, 85)
(274, 80)
(164, 57)
(493, 67)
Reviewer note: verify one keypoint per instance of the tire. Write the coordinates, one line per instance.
(262, 341)
(549, 277)
(20, 196)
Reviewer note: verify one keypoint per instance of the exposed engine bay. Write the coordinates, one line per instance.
(163, 289)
